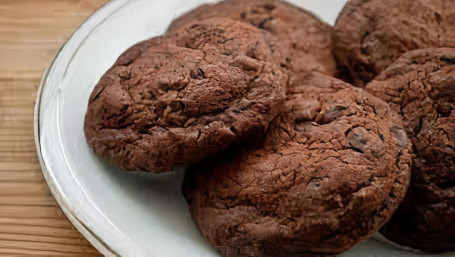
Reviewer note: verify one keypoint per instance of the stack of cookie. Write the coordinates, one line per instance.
(284, 158)
(404, 53)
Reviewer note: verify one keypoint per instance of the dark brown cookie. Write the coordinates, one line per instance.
(371, 34)
(164, 104)
(421, 86)
(304, 42)
(331, 171)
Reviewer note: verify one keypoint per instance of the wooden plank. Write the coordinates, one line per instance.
(17, 124)
(44, 239)
(17, 156)
(19, 83)
(25, 176)
(60, 222)
(50, 246)
(28, 138)
(26, 252)
(21, 166)
(16, 131)
(29, 200)
(16, 143)
(40, 231)
(23, 188)
(19, 212)
(30, 74)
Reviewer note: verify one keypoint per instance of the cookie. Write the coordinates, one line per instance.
(303, 41)
(421, 86)
(166, 103)
(371, 34)
(330, 172)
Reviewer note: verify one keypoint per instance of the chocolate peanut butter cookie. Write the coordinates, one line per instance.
(421, 86)
(330, 172)
(371, 34)
(303, 42)
(166, 102)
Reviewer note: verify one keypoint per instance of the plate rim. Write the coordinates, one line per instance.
(88, 234)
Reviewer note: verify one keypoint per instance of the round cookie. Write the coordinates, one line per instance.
(371, 34)
(163, 105)
(330, 172)
(421, 86)
(303, 42)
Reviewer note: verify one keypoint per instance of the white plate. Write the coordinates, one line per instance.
(123, 213)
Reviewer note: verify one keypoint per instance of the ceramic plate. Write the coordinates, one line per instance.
(123, 213)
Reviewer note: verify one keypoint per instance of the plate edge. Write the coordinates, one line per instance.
(84, 230)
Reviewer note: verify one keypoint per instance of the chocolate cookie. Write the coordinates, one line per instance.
(304, 42)
(421, 86)
(331, 171)
(371, 34)
(165, 103)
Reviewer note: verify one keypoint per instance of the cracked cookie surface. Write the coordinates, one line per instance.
(168, 101)
(330, 172)
(421, 86)
(303, 42)
(371, 34)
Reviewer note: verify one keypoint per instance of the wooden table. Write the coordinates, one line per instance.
(31, 31)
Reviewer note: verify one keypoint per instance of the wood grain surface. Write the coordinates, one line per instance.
(31, 31)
